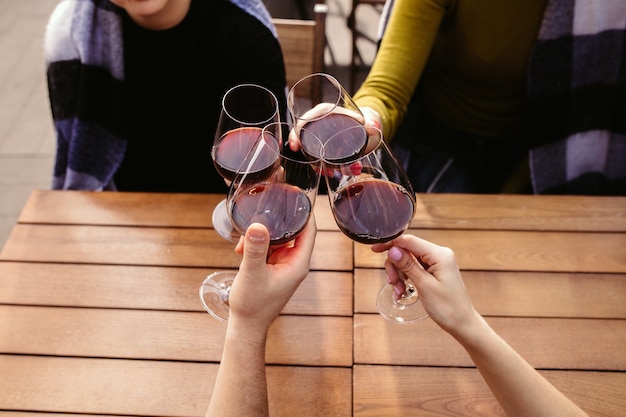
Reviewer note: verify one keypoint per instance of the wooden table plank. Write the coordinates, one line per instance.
(159, 335)
(394, 391)
(120, 208)
(29, 414)
(451, 211)
(520, 212)
(545, 343)
(158, 388)
(521, 294)
(132, 209)
(148, 287)
(521, 251)
(116, 245)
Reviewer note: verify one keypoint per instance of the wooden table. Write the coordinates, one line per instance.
(99, 309)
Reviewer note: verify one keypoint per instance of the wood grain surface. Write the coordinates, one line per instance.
(100, 312)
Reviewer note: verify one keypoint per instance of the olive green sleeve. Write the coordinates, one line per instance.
(399, 62)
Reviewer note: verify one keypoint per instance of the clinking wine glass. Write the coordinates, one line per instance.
(373, 202)
(330, 112)
(246, 110)
(281, 197)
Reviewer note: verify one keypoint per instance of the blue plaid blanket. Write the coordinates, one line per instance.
(89, 33)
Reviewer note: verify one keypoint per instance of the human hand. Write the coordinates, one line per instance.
(371, 118)
(434, 272)
(267, 278)
(317, 112)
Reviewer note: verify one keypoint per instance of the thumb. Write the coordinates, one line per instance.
(255, 246)
(405, 262)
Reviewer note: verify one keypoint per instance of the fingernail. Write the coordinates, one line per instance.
(395, 254)
(256, 235)
(398, 292)
(388, 279)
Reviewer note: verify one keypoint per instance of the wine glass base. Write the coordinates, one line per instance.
(403, 311)
(222, 223)
(214, 294)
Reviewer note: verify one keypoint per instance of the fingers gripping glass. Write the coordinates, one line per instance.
(373, 202)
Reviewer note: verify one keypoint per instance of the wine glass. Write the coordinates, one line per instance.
(373, 202)
(280, 196)
(330, 112)
(246, 110)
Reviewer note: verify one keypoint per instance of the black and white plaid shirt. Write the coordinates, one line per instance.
(577, 98)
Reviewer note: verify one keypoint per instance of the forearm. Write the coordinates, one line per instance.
(241, 386)
(518, 387)
(399, 62)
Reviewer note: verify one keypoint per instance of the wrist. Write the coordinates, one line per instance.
(246, 331)
(471, 331)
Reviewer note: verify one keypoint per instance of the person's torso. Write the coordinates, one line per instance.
(175, 80)
(476, 74)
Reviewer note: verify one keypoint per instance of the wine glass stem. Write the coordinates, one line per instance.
(410, 295)
(226, 294)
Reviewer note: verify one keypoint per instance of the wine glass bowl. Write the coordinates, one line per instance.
(343, 138)
(283, 199)
(333, 98)
(246, 110)
(331, 113)
(235, 145)
(371, 197)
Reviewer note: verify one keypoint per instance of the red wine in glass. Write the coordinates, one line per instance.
(349, 138)
(373, 210)
(231, 150)
(283, 208)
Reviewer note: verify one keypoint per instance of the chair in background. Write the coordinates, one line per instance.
(303, 43)
(356, 58)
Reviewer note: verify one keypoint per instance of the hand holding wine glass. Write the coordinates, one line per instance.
(279, 197)
(434, 271)
(267, 279)
(373, 202)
